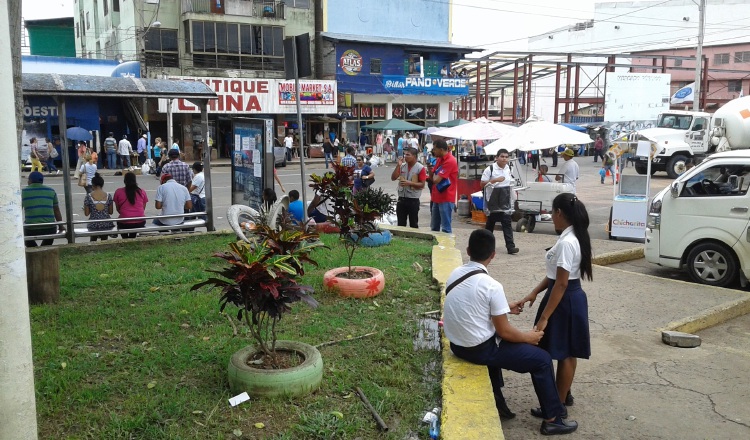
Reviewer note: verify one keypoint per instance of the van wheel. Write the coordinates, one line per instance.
(521, 225)
(676, 166)
(713, 264)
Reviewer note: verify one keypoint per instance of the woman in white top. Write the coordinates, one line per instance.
(563, 312)
(89, 168)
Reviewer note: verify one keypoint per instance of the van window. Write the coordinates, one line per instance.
(719, 180)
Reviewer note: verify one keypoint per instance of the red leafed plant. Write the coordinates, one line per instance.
(261, 279)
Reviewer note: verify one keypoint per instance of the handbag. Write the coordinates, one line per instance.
(53, 153)
(444, 183)
(82, 179)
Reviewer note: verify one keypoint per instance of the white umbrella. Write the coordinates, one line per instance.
(538, 135)
(478, 129)
(430, 130)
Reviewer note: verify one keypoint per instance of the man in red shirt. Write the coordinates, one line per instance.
(444, 177)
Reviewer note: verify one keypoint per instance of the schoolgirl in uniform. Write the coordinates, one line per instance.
(563, 312)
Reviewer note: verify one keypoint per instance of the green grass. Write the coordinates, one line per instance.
(131, 352)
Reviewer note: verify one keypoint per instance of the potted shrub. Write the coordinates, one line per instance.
(261, 281)
(355, 216)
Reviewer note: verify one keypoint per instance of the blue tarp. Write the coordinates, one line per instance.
(575, 127)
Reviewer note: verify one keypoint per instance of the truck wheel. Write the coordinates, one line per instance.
(713, 264)
(531, 224)
(641, 168)
(521, 225)
(676, 166)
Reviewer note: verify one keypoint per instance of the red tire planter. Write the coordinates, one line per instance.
(357, 288)
(327, 228)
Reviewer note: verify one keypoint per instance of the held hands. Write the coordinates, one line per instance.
(516, 307)
(534, 336)
(541, 324)
(530, 298)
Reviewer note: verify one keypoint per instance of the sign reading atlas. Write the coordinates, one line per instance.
(351, 62)
(260, 96)
(414, 85)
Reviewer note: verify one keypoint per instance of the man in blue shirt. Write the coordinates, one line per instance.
(295, 206)
(141, 149)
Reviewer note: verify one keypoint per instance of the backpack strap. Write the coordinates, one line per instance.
(463, 278)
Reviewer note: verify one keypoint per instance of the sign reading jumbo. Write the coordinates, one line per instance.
(260, 96)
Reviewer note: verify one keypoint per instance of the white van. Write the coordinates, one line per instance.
(702, 221)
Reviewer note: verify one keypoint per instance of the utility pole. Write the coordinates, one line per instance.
(699, 55)
(17, 400)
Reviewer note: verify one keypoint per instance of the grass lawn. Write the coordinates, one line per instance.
(130, 352)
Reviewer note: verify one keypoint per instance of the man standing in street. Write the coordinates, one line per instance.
(598, 148)
(40, 205)
(178, 169)
(569, 169)
(123, 150)
(411, 177)
(110, 147)
(172, 198)
(444, 177)
(349, 160)
(495, 177)
(289, 144)
(141, 149)
(328, 151)
(475, 321)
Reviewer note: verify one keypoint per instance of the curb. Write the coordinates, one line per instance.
(711, 317)
(468, 403)
(618, 256)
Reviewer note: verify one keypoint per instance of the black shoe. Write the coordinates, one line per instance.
(537, 412)
(505, 412)
(512, 251)
(558, 427)
(569, 400)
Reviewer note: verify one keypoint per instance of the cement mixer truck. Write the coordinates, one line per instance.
(683, 136)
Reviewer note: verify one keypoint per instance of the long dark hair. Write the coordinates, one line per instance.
(575, 213)
(97, 180)
(131, 187)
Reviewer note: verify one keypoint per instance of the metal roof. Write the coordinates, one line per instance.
(406, 42)
(52, 84)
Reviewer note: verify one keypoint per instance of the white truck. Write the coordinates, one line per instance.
(702, 220)
(684, 136)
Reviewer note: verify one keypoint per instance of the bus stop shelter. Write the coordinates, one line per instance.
(61, 87)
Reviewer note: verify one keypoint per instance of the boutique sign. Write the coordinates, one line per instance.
(414, 85)
(260, 96)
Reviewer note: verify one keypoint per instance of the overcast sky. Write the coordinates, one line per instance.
(475, 22)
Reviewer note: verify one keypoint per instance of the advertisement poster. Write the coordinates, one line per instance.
(247, 182)
(629, 219)
(259, 96)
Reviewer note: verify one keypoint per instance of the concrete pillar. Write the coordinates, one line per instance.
(17, 404)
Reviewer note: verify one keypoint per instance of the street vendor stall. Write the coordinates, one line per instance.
(629, 212)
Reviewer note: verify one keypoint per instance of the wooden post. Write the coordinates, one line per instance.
(43, 274)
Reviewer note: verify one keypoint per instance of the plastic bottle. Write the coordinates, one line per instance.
(435, 429)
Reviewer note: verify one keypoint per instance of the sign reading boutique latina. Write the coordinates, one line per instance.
(259, 96)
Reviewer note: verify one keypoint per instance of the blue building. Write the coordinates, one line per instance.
(391, 59)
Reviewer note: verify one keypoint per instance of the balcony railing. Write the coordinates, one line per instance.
(247, 8)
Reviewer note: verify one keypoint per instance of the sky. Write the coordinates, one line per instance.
(475, 22)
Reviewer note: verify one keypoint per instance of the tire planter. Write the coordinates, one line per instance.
(375, 239)
(357, 288)
(300, 380)
(327, 228)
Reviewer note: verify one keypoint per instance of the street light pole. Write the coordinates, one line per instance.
(699, 55)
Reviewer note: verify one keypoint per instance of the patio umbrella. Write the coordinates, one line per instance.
(538, 135)
(429, 130)
(78, 134)
(477, 129)
(392, 124)
(452, 123)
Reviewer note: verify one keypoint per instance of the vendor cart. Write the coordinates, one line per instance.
(534, 201)
(629, 212)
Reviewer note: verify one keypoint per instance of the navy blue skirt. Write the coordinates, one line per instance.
(567, 333)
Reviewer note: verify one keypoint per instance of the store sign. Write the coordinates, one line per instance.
(414, 85)
(351, 62)
(629, 219)
(365, 111)
(260, 96)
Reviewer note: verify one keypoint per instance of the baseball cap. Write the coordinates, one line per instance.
(173, 153)
(36, 177)
(568, 152)
(144, 135)
(165, 177)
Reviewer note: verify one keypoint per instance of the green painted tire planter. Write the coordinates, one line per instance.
(300, 380)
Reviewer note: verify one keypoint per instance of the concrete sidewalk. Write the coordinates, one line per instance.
(633, 386)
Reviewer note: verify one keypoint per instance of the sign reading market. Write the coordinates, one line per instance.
(259, 96)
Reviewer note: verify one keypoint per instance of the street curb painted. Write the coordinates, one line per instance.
(618, 256)
(468, 410)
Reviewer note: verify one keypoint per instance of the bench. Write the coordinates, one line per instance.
(148, 229)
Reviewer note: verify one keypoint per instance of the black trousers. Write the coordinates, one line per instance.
(407, 207)
(505, 221)
(554, 158)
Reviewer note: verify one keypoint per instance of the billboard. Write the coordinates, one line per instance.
(636, 97)
(260, 96)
